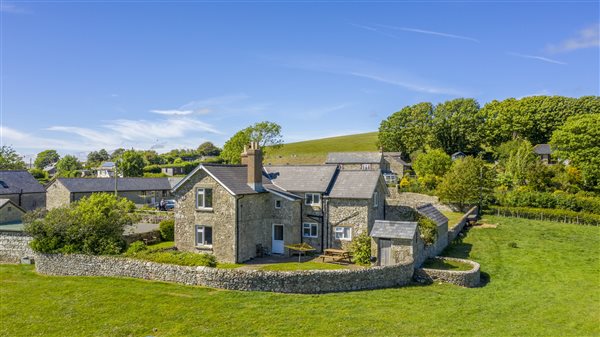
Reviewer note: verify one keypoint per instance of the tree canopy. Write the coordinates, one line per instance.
(407, 130)
(95, 158)
(67, 166)
(46, 158)
(468, 180)
(208, 149)
(457, 126)
(265, 133)
(10, 159)
(132, 164)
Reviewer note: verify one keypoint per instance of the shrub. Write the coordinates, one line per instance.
(155, 175)
(93, 225)
(167, 229)
(558, 199)
(428, 230)
(135, 248)
(361, 249)
(559, 215)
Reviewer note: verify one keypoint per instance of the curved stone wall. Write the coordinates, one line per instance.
(305, 282)
(468, 278)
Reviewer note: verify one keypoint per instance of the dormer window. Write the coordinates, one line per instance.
(312, 199)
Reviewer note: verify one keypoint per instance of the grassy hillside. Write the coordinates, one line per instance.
(315, 151)
(541, 280)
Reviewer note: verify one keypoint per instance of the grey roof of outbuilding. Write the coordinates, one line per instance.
(355, 184)
(8, 201)
(542, 149)
(18, 181)
(301, 178)
(353, 158)
(429, 211)
(173, 181)
(82, 185)
(394, 229)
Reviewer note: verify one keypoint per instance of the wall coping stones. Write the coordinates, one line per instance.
(463, 278)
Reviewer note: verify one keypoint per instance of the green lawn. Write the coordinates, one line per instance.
(453, 218)
(447, 265)
(290, 266)
(548, 286)
(315, 151)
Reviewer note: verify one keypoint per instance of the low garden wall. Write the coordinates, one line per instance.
(14, 245)
(469, 278)
(453, 232)
(305, 282)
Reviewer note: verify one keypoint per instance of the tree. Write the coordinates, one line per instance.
(434, 162)
(39, 174)
(468, 181)
(46, 158)
(517, 161)
(208, 149)
(456, 126)
(407, 130)
(152, 157)
(67, 166)
(10, 159)
(265, 133)
(578, 140)
(93, 225)
(95, 158)
(132, 164)
(116, 154)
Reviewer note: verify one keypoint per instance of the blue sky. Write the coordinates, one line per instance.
(79, 76)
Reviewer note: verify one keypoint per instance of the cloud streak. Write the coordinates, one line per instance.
(589, 37)
(430, 32)
(535, 57)
(12, 9)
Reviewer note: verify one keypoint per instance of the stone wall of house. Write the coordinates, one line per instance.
(222, 218)
(57, 195)
(14, 246)
(10, 214)
(315, 214)
(28, 201)
(469, 278)
(305, 282)
(458, 227)
(352, 213)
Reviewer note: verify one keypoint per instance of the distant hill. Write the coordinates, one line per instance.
(315, 151)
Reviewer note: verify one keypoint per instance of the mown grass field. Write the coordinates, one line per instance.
(547, 286)
(315, 151)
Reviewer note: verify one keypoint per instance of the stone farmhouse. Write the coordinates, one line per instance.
(10, 212)
(238, 211)
(142, 191)
(389, 163)
(22, 189)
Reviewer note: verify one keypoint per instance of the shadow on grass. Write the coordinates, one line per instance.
(484, 279)
(460, 250)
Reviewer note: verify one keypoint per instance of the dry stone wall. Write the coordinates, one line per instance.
(14, 246)
(470, 278)
(304, 282)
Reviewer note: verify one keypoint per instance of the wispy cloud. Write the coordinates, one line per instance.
(430, 32)
(535, 57)
(6, 7)
(173, 112)
(203, 106)
(589, 37)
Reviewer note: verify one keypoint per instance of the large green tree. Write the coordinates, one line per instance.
(10, 159)
(407, 130)
(265, 133)
(67, 166)
(95, 158)
(578, 140)
(468, 181)
(433, 162)
(208, 149)
(46, 158)
(516, 162)
(456, 126)
(132, 164)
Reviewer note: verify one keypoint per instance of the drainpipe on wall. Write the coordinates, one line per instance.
(324, 212)
(238, 215)
(20, 197)
(301, 221)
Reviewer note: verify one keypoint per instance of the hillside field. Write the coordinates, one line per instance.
(315, 151)
(541, 279)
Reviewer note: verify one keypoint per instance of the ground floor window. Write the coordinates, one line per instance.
(343, 233)
(203, 235)
(310, 230)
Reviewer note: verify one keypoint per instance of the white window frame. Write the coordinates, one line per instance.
(375, 199)
(278, 204)
(343, 230)
(203, 189)
(312, 199)
(310, 226)
(200, 230)
(365, 167)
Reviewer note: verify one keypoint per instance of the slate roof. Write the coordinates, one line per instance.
(396, 156)
(234, 177)
(82, 185)
(302, 178)
(429, 211)
(8, 201)
(15, 181)
(394, 229)
(353, 158)
(355, 184)
(542, 149)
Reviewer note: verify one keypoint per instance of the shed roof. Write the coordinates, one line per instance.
(429, 211)
(353, 158)
(4, 202)
(302, 178)
(542, 149)
(355, 184)
(14, 182)
(83, 185)
(394, 229)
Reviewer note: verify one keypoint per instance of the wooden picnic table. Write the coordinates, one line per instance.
(336, 255)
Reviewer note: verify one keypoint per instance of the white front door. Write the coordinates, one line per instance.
(277, 242)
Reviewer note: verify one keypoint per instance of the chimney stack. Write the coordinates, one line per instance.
(253, 159)
(245, 155)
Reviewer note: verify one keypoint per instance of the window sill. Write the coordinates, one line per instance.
(204, 209)
(311, 237)
(204, 247)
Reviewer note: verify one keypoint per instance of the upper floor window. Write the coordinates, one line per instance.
(375, 199)
(312, 199)
(310, 230)
(343, 233)
(278, 204)
(365, 166)
(204, 198)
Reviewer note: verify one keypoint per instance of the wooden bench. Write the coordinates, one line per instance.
(336, 255)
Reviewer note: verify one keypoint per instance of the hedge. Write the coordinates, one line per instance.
(558, 215)
(558, 199)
